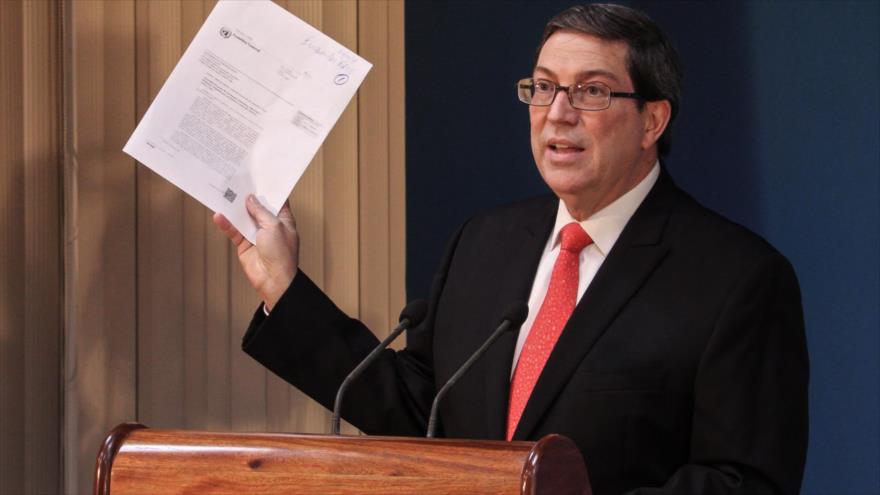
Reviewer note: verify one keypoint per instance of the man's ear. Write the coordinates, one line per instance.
(656, 116)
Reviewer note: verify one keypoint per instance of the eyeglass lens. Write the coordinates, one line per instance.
(585, 96)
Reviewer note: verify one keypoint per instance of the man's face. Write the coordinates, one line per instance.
(588, 158)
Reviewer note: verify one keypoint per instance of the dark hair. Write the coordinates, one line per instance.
(652, 61)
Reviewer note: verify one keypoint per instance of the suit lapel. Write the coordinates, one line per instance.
(635, 255)
(525, 243)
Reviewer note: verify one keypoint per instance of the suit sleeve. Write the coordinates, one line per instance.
(313, 345)
(749, 429)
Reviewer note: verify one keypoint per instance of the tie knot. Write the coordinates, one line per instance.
(574, 238)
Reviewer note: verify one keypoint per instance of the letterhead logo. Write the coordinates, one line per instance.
(225, 32)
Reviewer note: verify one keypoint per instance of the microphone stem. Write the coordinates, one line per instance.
(432, 421)
(337, 404)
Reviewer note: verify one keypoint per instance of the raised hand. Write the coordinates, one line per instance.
(271, 264)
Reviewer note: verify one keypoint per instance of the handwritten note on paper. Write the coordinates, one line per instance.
(246, 108)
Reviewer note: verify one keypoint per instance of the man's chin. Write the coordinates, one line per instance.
(567, 184)
(571, 195)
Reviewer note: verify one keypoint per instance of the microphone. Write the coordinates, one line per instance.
(512, 318)
(412, 315)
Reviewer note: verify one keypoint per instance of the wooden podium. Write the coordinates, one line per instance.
(136, 460)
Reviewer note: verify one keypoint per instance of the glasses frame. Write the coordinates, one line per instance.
(529, 83)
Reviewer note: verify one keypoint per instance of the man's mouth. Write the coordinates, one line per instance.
(564, 148)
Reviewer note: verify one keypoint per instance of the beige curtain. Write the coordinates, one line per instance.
(120, 301)
(30, 248)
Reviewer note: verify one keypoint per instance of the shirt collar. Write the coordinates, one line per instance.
(605, 226)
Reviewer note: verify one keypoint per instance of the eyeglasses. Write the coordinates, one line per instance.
(583, 96)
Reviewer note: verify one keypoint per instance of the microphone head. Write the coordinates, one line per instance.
(415, 312)
(516, 313)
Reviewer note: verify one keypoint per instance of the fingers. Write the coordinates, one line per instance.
(286, 216)
(285, 209)
(263, 217)
(230, 231)
(221, 222)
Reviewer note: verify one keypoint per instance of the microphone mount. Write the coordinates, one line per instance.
(412, 315)
(512, 318)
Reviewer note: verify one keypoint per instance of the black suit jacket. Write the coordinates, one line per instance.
(683, 369)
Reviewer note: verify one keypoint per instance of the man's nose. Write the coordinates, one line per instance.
(561, 110)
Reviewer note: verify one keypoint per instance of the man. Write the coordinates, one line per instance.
(667, 342)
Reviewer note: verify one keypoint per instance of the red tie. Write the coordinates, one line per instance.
(555, 310)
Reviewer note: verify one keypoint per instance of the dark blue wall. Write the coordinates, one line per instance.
(780, 131)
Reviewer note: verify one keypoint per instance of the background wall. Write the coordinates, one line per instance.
(119, 299)
(30, 248)
(779, 131)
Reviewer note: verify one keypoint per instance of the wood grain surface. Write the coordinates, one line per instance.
(180, 461)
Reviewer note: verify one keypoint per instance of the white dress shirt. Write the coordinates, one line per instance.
(604, 227)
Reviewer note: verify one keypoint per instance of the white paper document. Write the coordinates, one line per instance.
(246, 108)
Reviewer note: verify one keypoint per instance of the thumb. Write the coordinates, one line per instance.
(262, 216)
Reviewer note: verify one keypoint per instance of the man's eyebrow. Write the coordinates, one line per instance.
(586, 74)
(545, 70)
